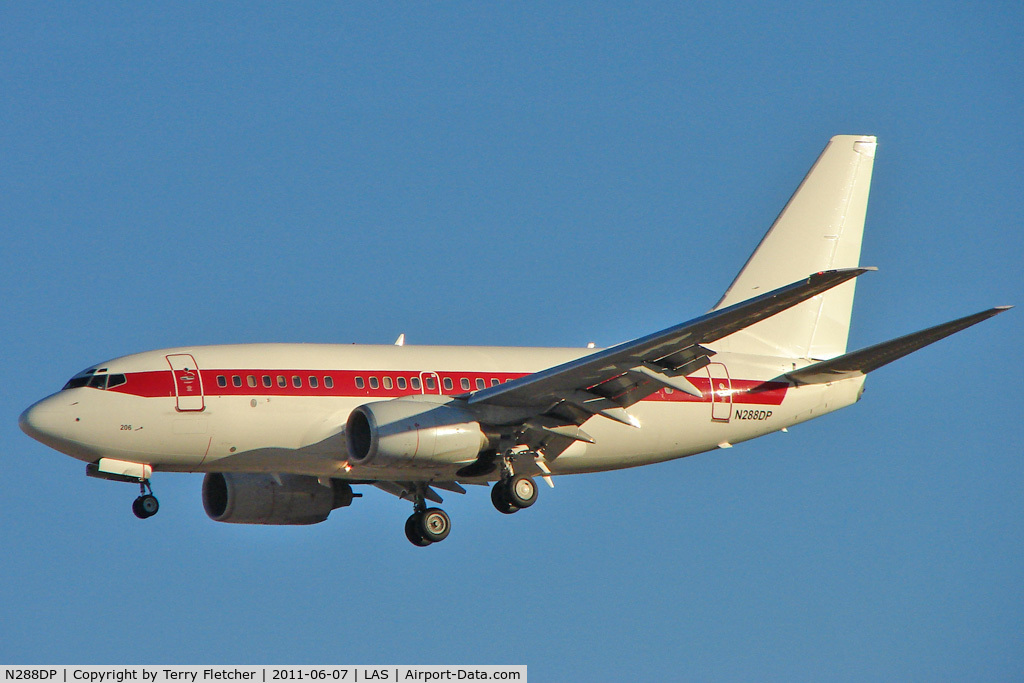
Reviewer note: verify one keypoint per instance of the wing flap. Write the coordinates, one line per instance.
(871, 358)
(406, 489)
(679, 383)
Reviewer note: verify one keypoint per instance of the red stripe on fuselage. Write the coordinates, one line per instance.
(160, 383)
(150, 384)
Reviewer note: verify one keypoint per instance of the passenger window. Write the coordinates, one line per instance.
(494, 382)
(401, 383)
(313, 382)
(431, 384)
(236, 380)
(296, 381)
(479, 383)
(387, 383)
(329, 382)
(448, 383)
(668, 390)
(415, 383)
(359, 383)
(374, 384)
(251, 380)
(267, 382)
(464, 383)
(282, 382)
(222, 381)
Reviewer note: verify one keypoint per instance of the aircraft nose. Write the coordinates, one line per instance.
(43, 421)
(32, 420)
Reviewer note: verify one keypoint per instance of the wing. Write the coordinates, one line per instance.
(557, 400)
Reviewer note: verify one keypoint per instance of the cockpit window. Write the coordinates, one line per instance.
(93, 378)
(76, 382)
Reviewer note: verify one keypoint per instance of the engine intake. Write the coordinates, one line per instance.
(241, 498)
(407, 433)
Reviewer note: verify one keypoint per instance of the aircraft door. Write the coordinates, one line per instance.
(188, 384)
(721, 392)
(430, 383)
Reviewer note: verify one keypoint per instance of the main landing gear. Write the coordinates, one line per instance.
(514, 493)
(426, 525)
(146, 505)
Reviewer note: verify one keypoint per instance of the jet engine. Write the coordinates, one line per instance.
(413, 433)
(241, 498)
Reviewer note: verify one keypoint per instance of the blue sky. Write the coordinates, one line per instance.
(498, 173)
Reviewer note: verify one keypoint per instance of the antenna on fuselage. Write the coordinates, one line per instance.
(401, 340)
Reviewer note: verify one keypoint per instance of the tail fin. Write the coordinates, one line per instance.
(820, 229)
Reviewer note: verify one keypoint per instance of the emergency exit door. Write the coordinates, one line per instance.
(721, 392)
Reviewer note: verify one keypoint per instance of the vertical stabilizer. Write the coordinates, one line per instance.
(820, 229)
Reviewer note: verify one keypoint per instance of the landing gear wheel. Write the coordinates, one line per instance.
(522, 491)
(434, 525)
(500, 499)
(412, 531)
(145, 506)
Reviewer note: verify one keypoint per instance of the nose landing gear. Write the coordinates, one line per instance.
(146, 505)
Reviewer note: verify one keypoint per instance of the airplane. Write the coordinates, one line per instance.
(284, 431)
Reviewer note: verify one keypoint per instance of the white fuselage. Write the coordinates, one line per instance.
(282, 408)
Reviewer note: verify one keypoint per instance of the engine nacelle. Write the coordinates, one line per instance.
(241, 498)
(413, 433)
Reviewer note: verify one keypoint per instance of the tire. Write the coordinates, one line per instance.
(434, 525)
(522, 491)
(149, 505)
(500, 499)
(137, 508)
(412, 532)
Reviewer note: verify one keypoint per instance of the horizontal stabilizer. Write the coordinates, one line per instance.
(873, 357)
